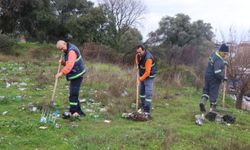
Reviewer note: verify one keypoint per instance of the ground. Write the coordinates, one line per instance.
(28, 84)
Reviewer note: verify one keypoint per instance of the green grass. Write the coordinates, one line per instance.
(173, 113)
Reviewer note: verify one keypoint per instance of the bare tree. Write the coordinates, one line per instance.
(122, 15)
(239, 70)
(127, 13)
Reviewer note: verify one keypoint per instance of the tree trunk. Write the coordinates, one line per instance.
(239, 100)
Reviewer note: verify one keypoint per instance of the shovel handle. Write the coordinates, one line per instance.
(224, 88)
(137, 91)
(55, 85)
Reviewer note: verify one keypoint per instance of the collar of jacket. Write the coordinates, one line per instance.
(217, 53)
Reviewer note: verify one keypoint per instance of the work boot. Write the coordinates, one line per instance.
(66, 115)
(202, 108)
(203, 103)
(147, 116)
(212, 107)
(81, 113)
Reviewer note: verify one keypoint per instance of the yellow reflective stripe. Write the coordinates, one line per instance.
(142, 96)
(219, 55)
(78, 75)
(148, 100)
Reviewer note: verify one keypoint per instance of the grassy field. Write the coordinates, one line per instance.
(27, 83)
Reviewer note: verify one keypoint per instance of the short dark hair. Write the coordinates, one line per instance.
(141, 46)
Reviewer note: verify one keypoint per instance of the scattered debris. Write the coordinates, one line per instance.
(133, 105)
(7, 84)
(216, 117)
(82, 100)
(43, 119)
(43, 127)
(57, 126)
(137, 116)
(125, 93)
(91, 101)
(4, 113)
(74, 125)
(2, 97)
(199, 119)
(22, 89)
(107, 121)
(38, 89)
(103, 109)
(22, 84)
(21, 68)
(89, 111)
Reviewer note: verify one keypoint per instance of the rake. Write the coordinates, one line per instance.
(47, 114)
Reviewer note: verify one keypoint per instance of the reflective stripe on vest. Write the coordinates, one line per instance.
(142, 96)
(152, 76)
(73, 104)
(141, 67)
(78, 75)
(79, 58)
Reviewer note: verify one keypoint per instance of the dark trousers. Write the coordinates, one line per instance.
(74, 90)
(211, 89)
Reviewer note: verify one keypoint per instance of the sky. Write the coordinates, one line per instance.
(221, 14)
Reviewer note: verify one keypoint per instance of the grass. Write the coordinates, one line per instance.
(172, 126)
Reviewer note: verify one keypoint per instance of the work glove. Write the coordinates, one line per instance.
(225, 79)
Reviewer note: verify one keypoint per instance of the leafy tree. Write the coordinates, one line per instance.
(180, 41)
(130, 39)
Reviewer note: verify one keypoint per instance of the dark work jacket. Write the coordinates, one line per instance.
(215, 68)
(79, 67)
(141, 64)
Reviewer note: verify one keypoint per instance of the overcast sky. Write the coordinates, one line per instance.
(222, 14)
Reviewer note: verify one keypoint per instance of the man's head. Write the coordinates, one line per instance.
(224, 49)
(140, 50)
(61, 45)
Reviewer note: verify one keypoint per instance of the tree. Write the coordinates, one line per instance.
(130, 39)
(239, 70)
(122, 15)
(30, 17)
(180, 41)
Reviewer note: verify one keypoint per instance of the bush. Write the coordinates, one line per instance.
(7, 44)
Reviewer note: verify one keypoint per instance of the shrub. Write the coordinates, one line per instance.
(7, 44)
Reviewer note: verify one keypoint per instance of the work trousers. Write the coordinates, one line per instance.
(74, 90)
(211, 88)
(146, 93)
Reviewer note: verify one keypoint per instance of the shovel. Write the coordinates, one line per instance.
(137, 91)
(224, 94)
(224, 89)
(47, 115)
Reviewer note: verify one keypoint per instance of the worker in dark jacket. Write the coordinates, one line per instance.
(147, 70)
(73, 69)
(213, 77)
